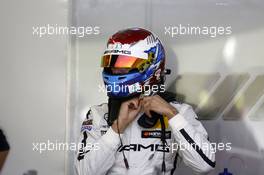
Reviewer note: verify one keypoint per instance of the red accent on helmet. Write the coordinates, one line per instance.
(129, 36)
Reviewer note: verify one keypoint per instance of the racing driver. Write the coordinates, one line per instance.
(142, 129)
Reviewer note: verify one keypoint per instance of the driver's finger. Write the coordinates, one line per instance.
(146, 109)
(134, 103)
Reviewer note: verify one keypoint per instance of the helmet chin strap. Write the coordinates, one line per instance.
(147, 122)
(114, 104)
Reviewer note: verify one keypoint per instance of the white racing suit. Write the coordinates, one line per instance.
(101, 154)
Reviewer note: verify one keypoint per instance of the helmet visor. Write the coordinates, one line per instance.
(123, 61)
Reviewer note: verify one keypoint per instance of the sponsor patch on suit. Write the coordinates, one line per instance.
(155, 134)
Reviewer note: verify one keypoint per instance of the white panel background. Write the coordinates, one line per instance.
(32, 84)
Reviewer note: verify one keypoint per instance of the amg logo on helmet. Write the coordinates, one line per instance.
(118, 51)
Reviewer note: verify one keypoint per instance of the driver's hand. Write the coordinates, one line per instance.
(159, 105)
(128, 112)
